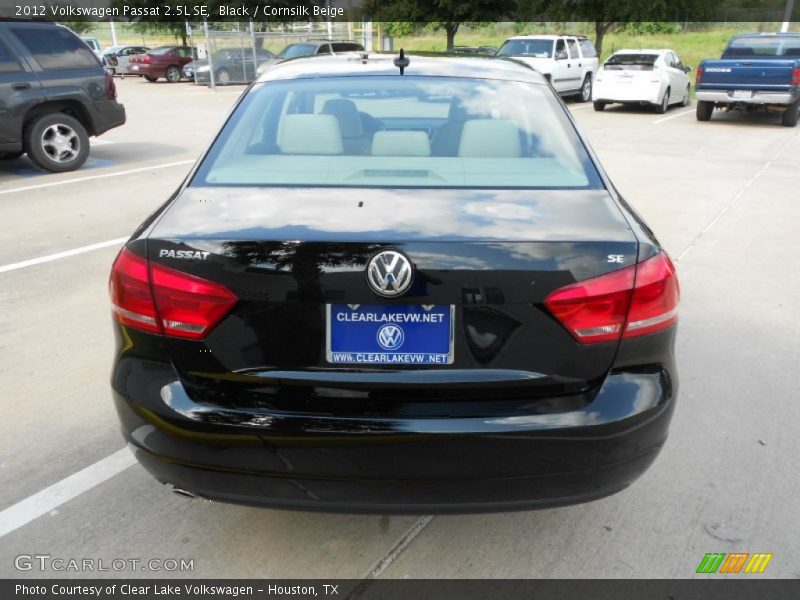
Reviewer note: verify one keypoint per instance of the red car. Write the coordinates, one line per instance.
(164, 61)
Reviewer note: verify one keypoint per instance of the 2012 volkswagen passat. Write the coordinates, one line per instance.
(395, 289)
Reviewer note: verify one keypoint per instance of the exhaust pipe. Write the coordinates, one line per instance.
(182, 492)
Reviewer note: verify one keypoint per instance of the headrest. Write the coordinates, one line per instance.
(347, 114)
(401, 143)
(309, 134)
(490, 138)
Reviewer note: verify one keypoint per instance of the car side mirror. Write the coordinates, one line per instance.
(687, 69)
(561, 55)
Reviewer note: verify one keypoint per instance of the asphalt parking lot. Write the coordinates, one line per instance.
(723, 197)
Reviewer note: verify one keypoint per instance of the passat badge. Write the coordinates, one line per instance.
(190, 254)
(389, 273)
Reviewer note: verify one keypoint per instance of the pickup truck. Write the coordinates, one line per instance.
(755, 71)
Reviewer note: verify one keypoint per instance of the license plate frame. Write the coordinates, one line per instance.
(352, 334)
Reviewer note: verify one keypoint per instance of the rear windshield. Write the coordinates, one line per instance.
(535, 48)
(764, 47)
(345, 47)
(643, 62)
(297, 50)
(399, 132)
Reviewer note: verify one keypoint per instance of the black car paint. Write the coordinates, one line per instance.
(33, 91)
(235, 419)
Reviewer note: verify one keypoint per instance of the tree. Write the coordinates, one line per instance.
(172, 25)
(177, 29)
(606, 14)
(80, 25)
(447, 15)
(601, 28)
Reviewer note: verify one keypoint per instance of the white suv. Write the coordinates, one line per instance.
(568, 61)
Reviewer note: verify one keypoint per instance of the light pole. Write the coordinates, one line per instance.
(787, 16)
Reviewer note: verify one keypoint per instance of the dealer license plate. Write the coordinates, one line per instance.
(392, 334)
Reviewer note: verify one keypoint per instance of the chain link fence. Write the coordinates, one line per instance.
(232, 56)
(230, 53)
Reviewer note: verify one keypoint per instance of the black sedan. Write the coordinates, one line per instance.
(396, 286)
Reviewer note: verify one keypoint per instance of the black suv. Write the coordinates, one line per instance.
(54, 94)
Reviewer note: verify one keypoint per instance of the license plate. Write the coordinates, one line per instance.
(742, 94)
(394, 334)
(135, 67)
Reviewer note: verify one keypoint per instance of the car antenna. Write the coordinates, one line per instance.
(401, 62)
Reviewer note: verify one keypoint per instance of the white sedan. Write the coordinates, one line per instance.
(655, 77)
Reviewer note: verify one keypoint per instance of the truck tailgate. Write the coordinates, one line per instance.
(747, 74)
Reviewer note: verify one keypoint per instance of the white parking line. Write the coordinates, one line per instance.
(58, 255)
(571, 107)
(735, 199)
(43, 502)
(40, 186)
(675, 116)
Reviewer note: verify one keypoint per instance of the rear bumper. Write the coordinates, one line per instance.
(422, 465)
(759, 97)
(199, 76)
(392, 496)
(145, 69)
(107, 114)
(627, 93)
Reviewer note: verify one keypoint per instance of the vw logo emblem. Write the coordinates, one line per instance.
(390, 337)
(389, 273)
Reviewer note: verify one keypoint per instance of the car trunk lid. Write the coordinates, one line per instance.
(293, 257)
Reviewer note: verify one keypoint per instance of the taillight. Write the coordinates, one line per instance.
(188, 306)
(160, 299)
(111, 87)
(796, 77)
(654, 305)
(146, 59)
(633, 301)
(698, 76)
(131, 298)
(594, 310)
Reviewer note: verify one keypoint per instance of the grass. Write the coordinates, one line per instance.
(691, 46)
